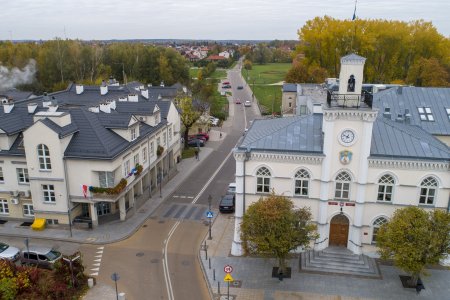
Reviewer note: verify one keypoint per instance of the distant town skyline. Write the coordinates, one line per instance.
(200, 19)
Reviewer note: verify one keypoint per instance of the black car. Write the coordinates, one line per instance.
(196, 143)
(227, 203)
(240, 87)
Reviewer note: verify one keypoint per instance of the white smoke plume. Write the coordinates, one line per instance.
(10, 78)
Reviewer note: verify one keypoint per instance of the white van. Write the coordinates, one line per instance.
(231, 188)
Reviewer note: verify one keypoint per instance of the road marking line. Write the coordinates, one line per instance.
(166, 264)
(96, 265)
(99, 260)
(95, 269)
(101, 248)
(99, 252)
(190, 197)
(94, 274)
(98, 256)
(175, 196)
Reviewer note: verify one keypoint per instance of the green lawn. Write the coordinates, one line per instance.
(260, 79)
(218, 74)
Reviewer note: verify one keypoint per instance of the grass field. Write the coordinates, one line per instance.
(260, 79)
(218, 74)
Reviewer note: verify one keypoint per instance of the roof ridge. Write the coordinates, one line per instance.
(95, 129)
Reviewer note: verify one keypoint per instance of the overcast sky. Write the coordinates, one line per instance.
(197, 19)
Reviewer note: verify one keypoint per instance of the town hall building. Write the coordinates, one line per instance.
(348, 162)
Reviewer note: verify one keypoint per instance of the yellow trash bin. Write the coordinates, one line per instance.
(38, 224)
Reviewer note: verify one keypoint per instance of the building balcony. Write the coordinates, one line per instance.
(355, 101)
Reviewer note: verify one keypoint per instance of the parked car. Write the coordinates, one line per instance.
(8, 252)
(196, 143)
(43, 257)
(240, 87)
(227, 203)
(226, 86)
(214, 121)
(247, 103)
(226, 82)
(237, 101)
(203, 134)
(231, 188)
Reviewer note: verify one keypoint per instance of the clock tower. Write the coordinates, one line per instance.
(347, 127)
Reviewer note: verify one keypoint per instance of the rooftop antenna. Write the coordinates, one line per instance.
(354, 34)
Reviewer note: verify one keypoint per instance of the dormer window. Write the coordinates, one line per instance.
(448, 113)
(425, 114)
(133, 133)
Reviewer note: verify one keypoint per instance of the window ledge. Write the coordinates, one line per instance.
(24, 183)
(426, 205)
(383, 202)
(48, 202)
(45, 170)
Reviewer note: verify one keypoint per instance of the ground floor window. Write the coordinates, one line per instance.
(103, 208)
(52, 221)
(28, 210)
(4, 208)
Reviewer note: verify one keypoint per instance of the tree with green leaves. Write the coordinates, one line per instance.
(189, 114)
(414, 238)
(272, 227)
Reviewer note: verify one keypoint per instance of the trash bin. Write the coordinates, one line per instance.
(90, 282)
(121, 296)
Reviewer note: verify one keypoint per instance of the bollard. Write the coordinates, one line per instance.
(206, 251)
(214, 274)
(90, 282)
(121, 296)
(218, 287)
(209, 263)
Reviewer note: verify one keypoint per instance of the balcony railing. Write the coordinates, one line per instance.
(350, 100)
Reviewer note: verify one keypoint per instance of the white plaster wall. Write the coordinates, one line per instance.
(7, 141)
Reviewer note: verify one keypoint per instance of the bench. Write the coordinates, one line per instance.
(82, 219)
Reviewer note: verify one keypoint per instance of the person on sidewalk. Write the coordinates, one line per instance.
(196, 154)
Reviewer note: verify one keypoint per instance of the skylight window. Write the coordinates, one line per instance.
(425, 114)
(448, 113)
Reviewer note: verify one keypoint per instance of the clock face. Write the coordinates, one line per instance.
(347, 136)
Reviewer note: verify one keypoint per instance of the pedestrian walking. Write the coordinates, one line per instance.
(196, 154)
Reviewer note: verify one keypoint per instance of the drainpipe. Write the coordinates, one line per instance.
(247, 157)
(67, 195)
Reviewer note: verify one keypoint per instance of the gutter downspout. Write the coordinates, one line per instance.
(247, 157)
(67, 195)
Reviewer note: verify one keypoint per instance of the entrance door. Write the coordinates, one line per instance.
(339, 231)
(103, 208)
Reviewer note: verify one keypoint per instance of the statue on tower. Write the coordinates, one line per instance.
(351, 84)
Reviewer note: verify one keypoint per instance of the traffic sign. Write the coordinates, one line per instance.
(228, 269)
(209, 214)
(228, 278)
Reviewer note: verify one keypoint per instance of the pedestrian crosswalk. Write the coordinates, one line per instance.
(183, 211)
(97, 261)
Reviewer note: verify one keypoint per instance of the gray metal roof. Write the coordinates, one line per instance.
(289, 134)
(289, 87)
(353, 57)
(401, 98)
(394, 140)
(61, 131)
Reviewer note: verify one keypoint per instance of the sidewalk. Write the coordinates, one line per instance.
(253, 276)
(116, 230)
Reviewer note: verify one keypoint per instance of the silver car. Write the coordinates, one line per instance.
(43, 257)
(8, 252)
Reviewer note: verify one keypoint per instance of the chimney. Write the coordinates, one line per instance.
(162, 83)
(159, 97)
(123, 99)
(387, 113)
(149, 84)
(407, 116)
(133, 98)
(94, 109)
(112, 104)
(105, 107)
(144, 94)
(8, 106)
(32, 108)
(46, 97)
(46, 100)
(141, 87)
(103, 88)
(400, 90)
(79, 89)
(112, 80)
(53, 107)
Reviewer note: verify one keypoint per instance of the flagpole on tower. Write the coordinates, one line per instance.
(354, 34)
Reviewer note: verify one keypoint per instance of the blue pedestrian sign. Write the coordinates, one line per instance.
(209, 214)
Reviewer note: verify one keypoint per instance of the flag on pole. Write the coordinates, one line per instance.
(85, 189)
(354, 11)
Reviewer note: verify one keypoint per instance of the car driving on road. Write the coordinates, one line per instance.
(247, 103)
(237, 101)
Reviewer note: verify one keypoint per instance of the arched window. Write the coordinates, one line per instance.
(263, 180)
(376, 226)
(342, 190)
(301, 183)
(428, 189)
(44, 157)
(385, 188)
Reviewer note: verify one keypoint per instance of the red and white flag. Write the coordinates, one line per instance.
(85, 190)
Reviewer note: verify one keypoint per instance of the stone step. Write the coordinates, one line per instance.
(346, 257)
(338, 250)
(338, 263)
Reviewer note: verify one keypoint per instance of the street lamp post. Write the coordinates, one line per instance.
(159, 179)
(70, 261)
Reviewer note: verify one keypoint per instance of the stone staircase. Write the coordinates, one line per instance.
(339, 260)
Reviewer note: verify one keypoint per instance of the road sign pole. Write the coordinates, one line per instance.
(228, 292)
(210, 237)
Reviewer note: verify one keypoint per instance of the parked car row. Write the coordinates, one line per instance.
(228, 202)
(198, 140)
(44, 257)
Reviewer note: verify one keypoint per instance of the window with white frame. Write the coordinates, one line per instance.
(342, 190)
(144, 154)
(164, 139)
(425, 114)
(2, 178)
(376, 226)
(133, 133)
(136, 159)
(170, 133)
(22, 175)
(152, 149)
(4, 209)
(428, 189)
(126, 168)
(263, 180)
(44, 157)
(28, 210)
(49, 193)
(158, 141)
(106, 179)
(301, 183)
(385, 188)
(448, 113)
